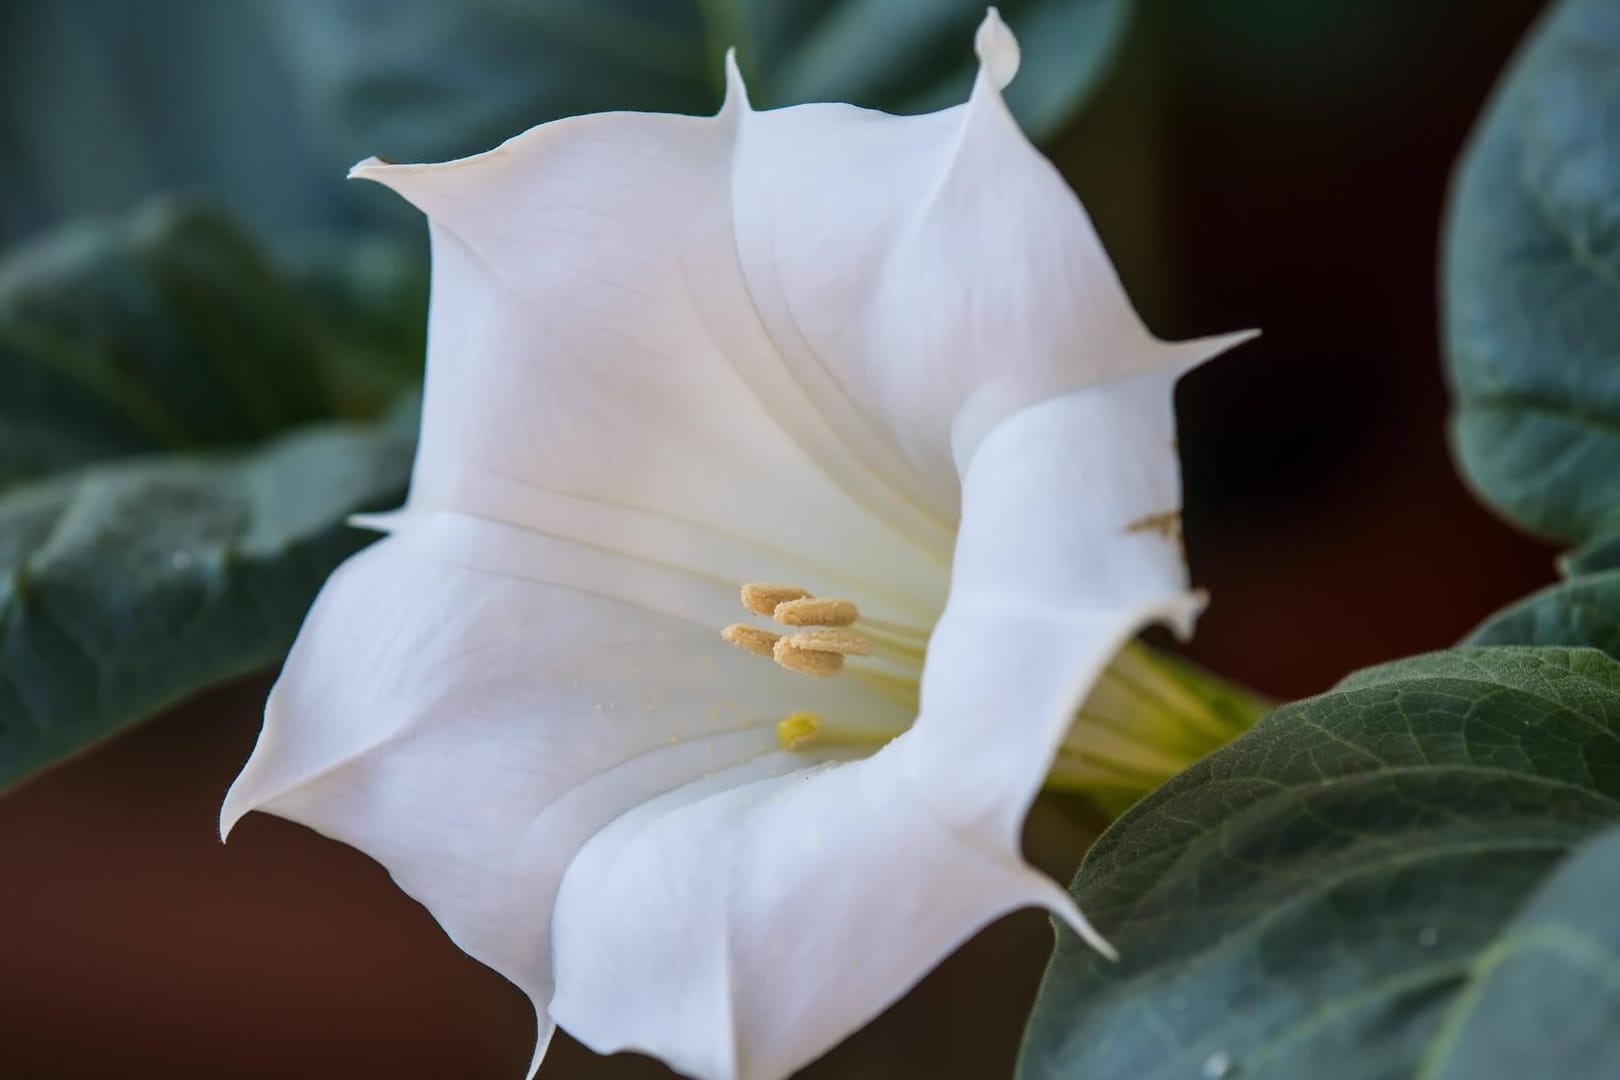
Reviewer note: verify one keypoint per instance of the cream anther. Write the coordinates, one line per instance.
(763, 598)
(830, 641)
(810, 611)
(817, 665)
(750, 639)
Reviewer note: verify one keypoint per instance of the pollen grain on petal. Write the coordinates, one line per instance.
(762, 598)
(750, 639)
(1166, 524)
(816, 665)
(842, 642)
(814, 612)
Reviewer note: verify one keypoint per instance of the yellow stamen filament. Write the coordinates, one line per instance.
(817, 665)
(901, 689)
(895, 630)
(798, 729)
(810, 611)
(763, 598)
(750, 639)
(830, 641)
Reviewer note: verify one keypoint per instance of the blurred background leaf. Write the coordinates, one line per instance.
(126, 587)
(1532, 283)
(1582, 611)
(419, 80)
(1339, 892)
(105, 103)
(167, 330)
(265, 103)
(172, 486)
(1532, 289)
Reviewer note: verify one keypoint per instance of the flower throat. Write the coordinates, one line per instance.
(1148, 717)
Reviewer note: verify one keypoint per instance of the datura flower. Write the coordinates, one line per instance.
(787, 480)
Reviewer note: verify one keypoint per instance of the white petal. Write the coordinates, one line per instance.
(743, 932)
(596, 368)
(472, 729)
(997, 49)
(1067, 549)
(936, 270)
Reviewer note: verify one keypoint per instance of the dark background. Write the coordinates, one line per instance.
(1272, 163)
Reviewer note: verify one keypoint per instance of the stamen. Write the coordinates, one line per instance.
(763, 598)
(751, 639)
(798, 729)
(830, 641)
(817, 653)
(817, 665)
(810, 611)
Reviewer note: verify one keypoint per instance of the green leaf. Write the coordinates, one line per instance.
(422, 80)
(1333, 894)
(186, 426)
(1532, 283)
(263, 104)
(1582, 611)
(369, 296)
(1600, 554)
(105, 103)
(166, 331)
(127, 586)
(1554, 969)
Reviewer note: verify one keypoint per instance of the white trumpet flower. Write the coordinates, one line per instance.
(875, 374)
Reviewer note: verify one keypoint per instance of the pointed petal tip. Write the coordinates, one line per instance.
(246, 793)
(378, 523)
(1058, 901)
(997, 49)
(546, 1029)
(736, 87)
(1236, 337)
(369, 168)
(1186, 355)
(230, 813)
(1183, 619)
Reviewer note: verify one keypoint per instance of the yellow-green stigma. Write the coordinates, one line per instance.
(798, 730)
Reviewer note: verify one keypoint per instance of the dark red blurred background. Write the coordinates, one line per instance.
(1274, 164)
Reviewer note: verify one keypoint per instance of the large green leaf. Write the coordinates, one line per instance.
(1582, 611)
(104, 103)
(263, 104)
(167, 331)
(184, 427)
(1338, 893)
(127, 586)
(425, 80)
(1532, 282)
(1556, 970)
(1600, 554)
